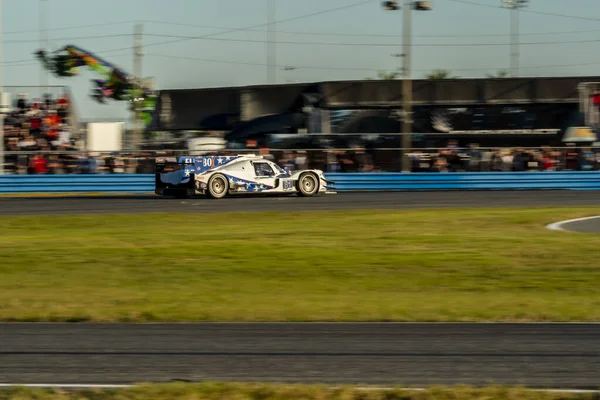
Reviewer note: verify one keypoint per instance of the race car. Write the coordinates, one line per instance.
(220, 176)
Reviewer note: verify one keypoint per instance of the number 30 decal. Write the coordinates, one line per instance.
(207, 162)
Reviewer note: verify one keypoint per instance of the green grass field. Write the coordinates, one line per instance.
(233, 391)
(449, 265)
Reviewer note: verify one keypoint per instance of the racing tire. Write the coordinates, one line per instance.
(308, 184)
(218, 186)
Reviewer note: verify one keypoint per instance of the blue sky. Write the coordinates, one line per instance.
(468, 39)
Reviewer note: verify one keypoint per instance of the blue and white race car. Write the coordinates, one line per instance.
(219, 176)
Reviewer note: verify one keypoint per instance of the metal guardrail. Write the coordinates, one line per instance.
(144, 183)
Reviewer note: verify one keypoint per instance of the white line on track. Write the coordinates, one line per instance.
(99, 386)
(558, 226)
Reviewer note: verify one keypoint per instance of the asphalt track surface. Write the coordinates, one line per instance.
(533, 355)
(588, 225)
(340, 201)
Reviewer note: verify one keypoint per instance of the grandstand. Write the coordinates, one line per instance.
(39, 120)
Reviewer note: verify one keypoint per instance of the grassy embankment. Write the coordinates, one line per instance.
(226, 391)
(450, 265)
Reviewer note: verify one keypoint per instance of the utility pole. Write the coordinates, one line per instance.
(43, 10)
(514, 6)
(407, 90)
(1, 92)
(407, 87)
(137, 71)
(271, 45)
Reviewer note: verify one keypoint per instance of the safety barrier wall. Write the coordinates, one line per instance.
(570, 180)
(144, 183)
(117, 183)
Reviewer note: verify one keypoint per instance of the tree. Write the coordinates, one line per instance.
(500, 74)
(440, 74)
(382, 75)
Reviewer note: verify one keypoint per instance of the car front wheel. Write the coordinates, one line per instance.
(308, 184)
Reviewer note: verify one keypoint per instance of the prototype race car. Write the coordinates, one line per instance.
(219, 176)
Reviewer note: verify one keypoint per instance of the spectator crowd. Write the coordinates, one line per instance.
(38, 141)
(449, 159)
(40, 125)
(474, 159)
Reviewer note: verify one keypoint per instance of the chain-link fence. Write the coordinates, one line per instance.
(448, 159)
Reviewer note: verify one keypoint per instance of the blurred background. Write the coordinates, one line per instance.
(440, 86)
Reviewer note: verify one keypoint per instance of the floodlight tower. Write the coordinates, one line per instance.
(514, 6)
(409, 6)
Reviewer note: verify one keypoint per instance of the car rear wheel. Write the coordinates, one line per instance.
(218, 186)
(308, 184)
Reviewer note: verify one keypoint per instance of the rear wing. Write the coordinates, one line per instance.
(197, 165)
(173, 176)
(169, 164)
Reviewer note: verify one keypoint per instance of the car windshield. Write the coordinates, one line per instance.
(279, 169)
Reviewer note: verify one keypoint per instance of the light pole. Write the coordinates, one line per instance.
(271, 44)
(1, 93)
(138, 54)
(398, 55)
(407, 89)
(514, 6)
